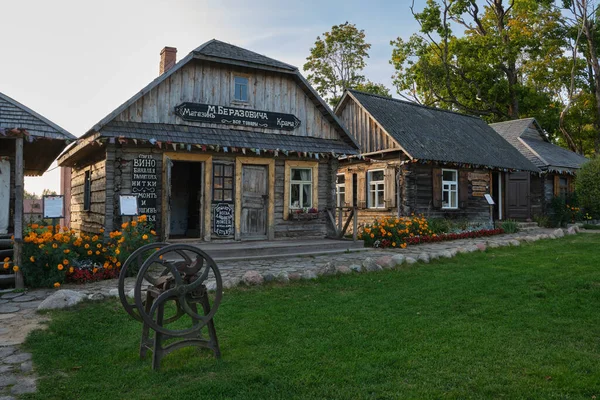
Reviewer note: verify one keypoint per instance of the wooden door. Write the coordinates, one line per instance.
(517, 196)
(254, 201)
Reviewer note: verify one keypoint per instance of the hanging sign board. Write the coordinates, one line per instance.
(489, 199)
(54, 206)
(214, 114)
(128, 204)
(144, 184)
(223, 219)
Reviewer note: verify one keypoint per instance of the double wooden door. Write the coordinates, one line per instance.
(255, 196)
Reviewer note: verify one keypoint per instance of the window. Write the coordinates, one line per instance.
(87, 191)
(340, 190)
(563, 187)
(222, 182)
(449, 188)
(240, 88)
(376, 189)
(301, 188)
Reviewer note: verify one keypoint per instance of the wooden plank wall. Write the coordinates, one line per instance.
(303, 229)
(213, 84)
(93, 220)
(537, 197)
(419, 196)
(365, 131)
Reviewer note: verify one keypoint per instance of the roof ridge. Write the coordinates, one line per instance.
(198, 50)
(411, 103)
(513, 121)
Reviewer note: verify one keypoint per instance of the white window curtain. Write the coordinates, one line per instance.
(449, 188)
(376, 193)
(301, 188)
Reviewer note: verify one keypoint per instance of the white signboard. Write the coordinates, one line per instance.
(54, 206)
(128, 205)
(489, 199)
(4, 194)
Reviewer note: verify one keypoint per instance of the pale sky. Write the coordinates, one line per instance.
(76, 61)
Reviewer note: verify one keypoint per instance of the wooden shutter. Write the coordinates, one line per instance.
(463, 189)
(390, 183)
(556, 185)
(571, 182)
(436, 194)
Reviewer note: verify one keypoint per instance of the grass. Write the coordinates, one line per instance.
(509, 323)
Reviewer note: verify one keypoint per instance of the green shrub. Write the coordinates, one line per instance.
(587, 186)
(542, 221)
(591, 226)
(510, 226)
(440, 225)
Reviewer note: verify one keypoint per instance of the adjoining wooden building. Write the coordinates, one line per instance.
(224, 144)
(423, 160)
(29, 143)
(559, 166)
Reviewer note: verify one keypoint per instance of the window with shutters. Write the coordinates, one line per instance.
(376, 189)
(340, 190)
(449, 188)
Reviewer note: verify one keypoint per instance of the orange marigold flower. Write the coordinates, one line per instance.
(35, 226)
(372, 235)
(56, 284)
(94, 238)
(6, 265)
(67, 251)
(97, 252)
(152, 231)
(145, 237)
(89, 253)
(118, 263)
(16, 268)
(99, 245)
(41, 246)
(71, 270)
(54, 245)
(134, 223)
(95, 270)
(7, 259)
(65, 262)
(60, 267)
(117, 251)
(32, 259)
(101, 230)
(87, 246)
(124, 225)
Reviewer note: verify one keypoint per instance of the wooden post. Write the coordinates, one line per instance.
(355, 222)
(18, 218)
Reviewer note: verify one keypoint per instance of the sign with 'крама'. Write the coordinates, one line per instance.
(214, 114)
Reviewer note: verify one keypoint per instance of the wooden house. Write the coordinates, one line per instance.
(224, 144)
(559, 166)
(423, 160)
(29, 143)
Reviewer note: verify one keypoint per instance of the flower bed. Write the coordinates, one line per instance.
(400, 232)
(53, 255)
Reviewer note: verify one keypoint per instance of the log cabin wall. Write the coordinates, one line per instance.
(8, 155)
(366, 132)
(419, 189)
(93, 220)
(366, 215)
(537, 195)
(206, 82)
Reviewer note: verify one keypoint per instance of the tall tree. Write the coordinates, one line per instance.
(374, 88)
(336, 61)
(584, 16)
(496, 68)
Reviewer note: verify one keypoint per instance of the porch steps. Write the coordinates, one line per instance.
(527, 226)
(257, 250)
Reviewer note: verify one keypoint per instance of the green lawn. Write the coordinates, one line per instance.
(509, 323)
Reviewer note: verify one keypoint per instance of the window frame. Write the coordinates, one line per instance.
(223, 188)
(87, 190)
(449, 190)
(301, 184)
(235, 84)
(375, 190)
(288, 165)
(339, 186)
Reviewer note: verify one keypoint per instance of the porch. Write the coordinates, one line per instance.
(268, 249)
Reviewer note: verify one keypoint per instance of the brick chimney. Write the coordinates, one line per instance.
(168, 58)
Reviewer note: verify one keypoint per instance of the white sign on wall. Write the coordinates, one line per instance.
(128, 205)
(4, 195)
(54, 206)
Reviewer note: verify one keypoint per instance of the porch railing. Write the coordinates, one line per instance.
(340, 227)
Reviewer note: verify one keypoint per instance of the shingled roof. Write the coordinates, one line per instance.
(218, 49)
(230, 138)
(527, 136)
(44, 139)
(426, 133)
